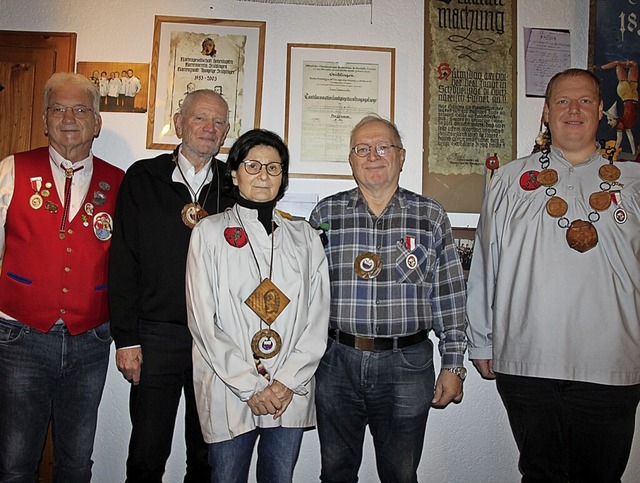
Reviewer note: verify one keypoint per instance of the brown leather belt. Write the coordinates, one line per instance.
(377, 343)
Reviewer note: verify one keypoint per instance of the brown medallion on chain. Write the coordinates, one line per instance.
(267, 301)
(557, 207)
(547, 177)
(582, 235)
(190, 213)
(266, 343)
(609, 172)
(600, 200)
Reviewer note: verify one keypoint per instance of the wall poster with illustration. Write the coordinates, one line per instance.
(614, 55)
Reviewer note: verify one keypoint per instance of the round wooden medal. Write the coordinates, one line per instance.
(600, 200)
(266, 343)
(582, 235)
(368, 265)
(547, 177)
(557, 207)
(609, 172)
(190, 214)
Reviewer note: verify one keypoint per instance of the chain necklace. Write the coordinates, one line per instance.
(581, 235)
(268, 302)
(193, 212)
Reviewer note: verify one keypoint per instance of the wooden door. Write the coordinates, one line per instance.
(27, 60)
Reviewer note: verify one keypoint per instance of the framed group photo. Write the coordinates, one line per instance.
(226, 56)
(329, 89)
(123, 86)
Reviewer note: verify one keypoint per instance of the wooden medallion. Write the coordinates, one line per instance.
(582, 235)
(600, 201)
(547, 177)
(557, 207)
(609, 172)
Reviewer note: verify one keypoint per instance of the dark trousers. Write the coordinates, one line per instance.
(570, 431)
(167, 371)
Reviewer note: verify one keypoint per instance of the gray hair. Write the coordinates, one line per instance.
(377, 118)
(189, 98)
(76, 80)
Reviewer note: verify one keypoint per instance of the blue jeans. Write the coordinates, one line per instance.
(278, 451)
(53, 376)
(570, 431)
(391, 391)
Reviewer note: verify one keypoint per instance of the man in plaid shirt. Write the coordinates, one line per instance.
(395, 275)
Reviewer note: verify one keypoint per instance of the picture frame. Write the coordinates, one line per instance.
(105, 71)
(199, 53)
(329, 89)
(614, 58)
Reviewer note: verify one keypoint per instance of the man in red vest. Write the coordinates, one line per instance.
(56, 209)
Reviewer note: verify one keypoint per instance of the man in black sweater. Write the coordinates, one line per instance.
(159, 202)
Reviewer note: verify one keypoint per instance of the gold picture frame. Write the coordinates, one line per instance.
(197, 53)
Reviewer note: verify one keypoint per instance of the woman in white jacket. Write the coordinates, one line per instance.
(258, 309)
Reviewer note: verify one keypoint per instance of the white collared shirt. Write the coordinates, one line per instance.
(192, 179)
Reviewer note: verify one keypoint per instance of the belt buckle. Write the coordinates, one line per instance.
(365, 343)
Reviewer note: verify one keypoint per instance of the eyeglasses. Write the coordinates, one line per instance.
(383, 149)
(252, 166)
(79, 112)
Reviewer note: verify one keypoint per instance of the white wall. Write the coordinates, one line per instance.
(469, 442)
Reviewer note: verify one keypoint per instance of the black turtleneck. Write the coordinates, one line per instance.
(265, 211)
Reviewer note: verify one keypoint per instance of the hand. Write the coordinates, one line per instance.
(129, 363)
(484, 367)
(284, 394)
(448, 389)
(265, 402)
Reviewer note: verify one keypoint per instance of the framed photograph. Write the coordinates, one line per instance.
(329, 89)
(124, 86)
(226, 56)
(614, 57)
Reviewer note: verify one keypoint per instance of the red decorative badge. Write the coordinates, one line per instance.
(235, 236)
(529, 180)
(492, 162)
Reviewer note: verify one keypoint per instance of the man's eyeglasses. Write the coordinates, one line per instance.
(79, 112)
(252, 166)
(383, 149)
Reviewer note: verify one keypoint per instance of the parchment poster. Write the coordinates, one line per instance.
(469, 97)
(335, 97)
(211, 61)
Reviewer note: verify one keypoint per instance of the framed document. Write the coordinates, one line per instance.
(330, 88)
(226, 56)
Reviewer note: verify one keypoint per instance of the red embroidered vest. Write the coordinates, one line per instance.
(45, 278)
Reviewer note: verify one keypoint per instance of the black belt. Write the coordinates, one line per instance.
(377, 343)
